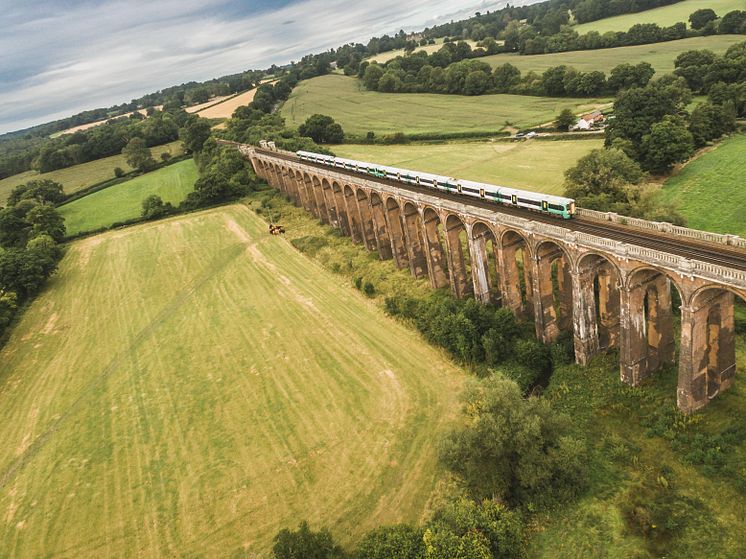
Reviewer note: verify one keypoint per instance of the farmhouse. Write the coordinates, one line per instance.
(590, 120)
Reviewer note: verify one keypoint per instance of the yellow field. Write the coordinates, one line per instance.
(225, 108)
(188, 387)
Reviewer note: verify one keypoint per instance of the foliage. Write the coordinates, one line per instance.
(668, 142)
(322, 129)
(514, 449)
(43, 191)
(392, 542)
(565, 120)
(153, 207)
(303, 543)
(194, 134)
(709, 121)
(699, 18)
(138, 155)
(601, 179)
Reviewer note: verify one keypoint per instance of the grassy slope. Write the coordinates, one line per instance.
(533, 165)
(663, 16)
(221, 386)
(80, 176)
(359, 110)
(660, 55)
(124, 201)
(709, 190)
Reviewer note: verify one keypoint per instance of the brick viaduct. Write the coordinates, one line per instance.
(608, 293)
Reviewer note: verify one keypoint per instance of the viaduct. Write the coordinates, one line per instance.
(613, 282)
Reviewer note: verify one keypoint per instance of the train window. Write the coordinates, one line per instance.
(417, 180)
(459, 187)
(481, 192)
(514, 199)
(545, 205)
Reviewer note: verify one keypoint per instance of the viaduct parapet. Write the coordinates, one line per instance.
(614, 287)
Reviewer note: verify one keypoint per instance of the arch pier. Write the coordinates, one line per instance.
(605, 292)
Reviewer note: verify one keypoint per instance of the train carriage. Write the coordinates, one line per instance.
(534, 201)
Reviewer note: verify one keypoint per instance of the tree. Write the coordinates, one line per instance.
(565, 120)
(506, 76)
(626, 75)
(153, 207)
(138, 155)
(41, 190)
(44, 219)
(709, 121)
(700, 18)
(477, 83)
(733, 22)
(373, 73)
(600, 180)
(668, 142)
(322, 129)
(513, 449)
(194, 134)
(553, 81)
(305, 544)
(392, 542)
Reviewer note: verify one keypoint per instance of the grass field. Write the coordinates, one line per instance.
(663, 16)
(221, 387)
(78, 177)
(359, 110)
(709, 191)
(660, 55)
(124, 201)
(533, 165)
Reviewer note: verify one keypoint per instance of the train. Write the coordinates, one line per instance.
(557, 206)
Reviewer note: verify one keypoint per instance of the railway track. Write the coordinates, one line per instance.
(703, 251)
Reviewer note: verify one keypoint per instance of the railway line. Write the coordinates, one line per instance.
(713, 253)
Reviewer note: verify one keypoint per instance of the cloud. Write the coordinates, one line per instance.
(63, 57)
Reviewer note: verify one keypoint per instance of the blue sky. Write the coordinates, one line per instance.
(60, 57)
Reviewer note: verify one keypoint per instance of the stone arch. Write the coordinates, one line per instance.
(647, 333)
(434, 237)
(353, 215)
(329, 201)
(378, 213)
(515, 272)
(339, 200)
(707, 360)
(553, 285)
(396, 232)
(366, 218)
(288, 177)
(318, 189)
(596, 297)
(415, 240)
(459, 258)
(297, 178)
(305, 180)
(485, 263)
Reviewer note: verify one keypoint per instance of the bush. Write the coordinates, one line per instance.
(118, 172)
(392, 542)
(305, 544)
(534, 355)
(369, 289)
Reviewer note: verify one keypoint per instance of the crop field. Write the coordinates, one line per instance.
(532, 165)
(709, 190)
(384, 57)
(224, 109)
(663, 16)
(359, 110)
(660, 55)
(78, 177)
(187, 387)
(124, 201)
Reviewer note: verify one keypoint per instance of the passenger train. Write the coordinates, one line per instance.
(544, 203)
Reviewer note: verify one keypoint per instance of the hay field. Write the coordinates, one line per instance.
(532, 165)
(124, 201)
(663, 16)
(210, 103)
(660, 55)
(359, 110)
(78, 177)
(225, 109)
(384, 57)
(187, 387)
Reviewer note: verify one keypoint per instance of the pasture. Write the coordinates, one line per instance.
(660, 55)
(81, 176)
(124, 201)
(189, 386)
(709, 191)
(532, 165)
(663, 16)
(359, 110)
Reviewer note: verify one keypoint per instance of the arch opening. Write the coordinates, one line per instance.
(516, 272)
(383, 240)
(436, 254)
(353, 215)
(554, 307)
(396, 232)
(366, 219)
(318, 189)
(459, 257)
(415, 241)
(485, 269)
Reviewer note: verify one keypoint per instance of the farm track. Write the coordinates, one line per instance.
(681, 246)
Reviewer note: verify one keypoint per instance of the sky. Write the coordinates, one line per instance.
(60, 57)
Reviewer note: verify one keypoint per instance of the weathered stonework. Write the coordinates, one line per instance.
(609, 294)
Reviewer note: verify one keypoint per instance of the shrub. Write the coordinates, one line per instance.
(118, 172)
(369, 289)
(305, 544)
(534, 355)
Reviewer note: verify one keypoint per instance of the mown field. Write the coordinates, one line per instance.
(660, 55)
(188, 387)
(359, 110)
(532, 165)
(78, 177)
(124, 201)
(710, 191)
(663, 16)
(383, 57)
